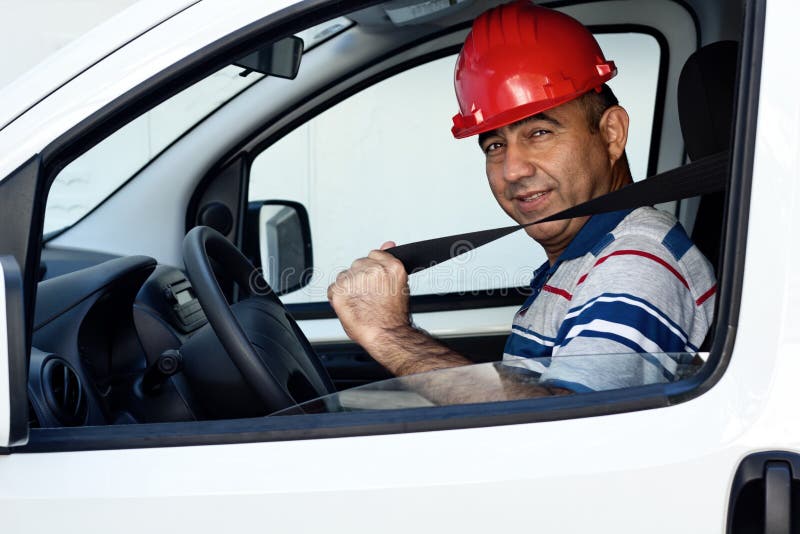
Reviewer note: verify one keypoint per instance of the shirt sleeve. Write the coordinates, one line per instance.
(634, 319)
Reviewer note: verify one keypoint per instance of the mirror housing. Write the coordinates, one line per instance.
(284, 242)
(281, 59)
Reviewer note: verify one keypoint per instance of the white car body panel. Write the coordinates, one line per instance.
(658, 471)
(428, 480)
(199, 25)
(81, 54)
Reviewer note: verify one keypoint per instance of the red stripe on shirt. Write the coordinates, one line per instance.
(557, 291)
(647, 255)
(707, 295)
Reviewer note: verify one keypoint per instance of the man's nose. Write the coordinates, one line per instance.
(517, 163)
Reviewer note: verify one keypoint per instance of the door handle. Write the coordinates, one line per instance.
(777, 498)
(761, 494)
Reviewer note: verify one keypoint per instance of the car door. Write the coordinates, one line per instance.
(659, 458)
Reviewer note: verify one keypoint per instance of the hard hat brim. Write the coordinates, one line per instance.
(467, 126)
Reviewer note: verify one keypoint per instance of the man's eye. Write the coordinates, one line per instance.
(538, 133)
(491, 147)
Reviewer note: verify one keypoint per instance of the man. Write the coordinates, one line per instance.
(621, 288)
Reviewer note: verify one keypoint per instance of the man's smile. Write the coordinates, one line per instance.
(531, 201)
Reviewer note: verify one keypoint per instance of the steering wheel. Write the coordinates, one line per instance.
(269, 352)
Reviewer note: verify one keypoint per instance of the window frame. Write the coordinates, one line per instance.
(105, 121)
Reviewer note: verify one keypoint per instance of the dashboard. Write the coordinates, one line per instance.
(102, 336)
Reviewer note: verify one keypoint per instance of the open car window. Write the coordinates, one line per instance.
(387, 154)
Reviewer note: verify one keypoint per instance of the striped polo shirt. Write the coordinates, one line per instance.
(622, 306)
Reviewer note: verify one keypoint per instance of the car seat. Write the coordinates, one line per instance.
(706, 90)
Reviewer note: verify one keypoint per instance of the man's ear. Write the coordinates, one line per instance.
(614, 128)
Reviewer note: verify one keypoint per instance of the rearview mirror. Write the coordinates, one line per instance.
(281, 58)
(284, 239)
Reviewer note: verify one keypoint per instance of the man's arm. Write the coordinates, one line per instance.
(408, 350)
(371, 301)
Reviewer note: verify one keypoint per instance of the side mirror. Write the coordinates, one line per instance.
(281, 58)
(284, 243)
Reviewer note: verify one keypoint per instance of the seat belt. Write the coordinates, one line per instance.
(701, 177)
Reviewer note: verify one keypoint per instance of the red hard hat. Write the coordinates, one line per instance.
(519, 60)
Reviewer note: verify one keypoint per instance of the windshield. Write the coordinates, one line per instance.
(93, 177)
(491, 382)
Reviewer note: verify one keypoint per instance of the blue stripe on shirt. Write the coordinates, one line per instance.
(524, 347)
(654, 309)
(529, 331)
(677, 242)
(642, 320)
(631, 345)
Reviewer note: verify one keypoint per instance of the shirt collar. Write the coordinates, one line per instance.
(540, 275)
(593, 231)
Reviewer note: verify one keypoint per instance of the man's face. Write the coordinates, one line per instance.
(544, 164)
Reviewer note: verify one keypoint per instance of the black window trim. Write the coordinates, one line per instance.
(425, 419)
(734, 246)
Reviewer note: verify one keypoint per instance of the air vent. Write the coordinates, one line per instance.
(63, 392)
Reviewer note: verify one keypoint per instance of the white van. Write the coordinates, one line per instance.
(147, 380)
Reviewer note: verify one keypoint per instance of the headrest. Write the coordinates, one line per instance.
(705, 98)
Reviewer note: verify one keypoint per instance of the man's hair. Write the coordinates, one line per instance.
(595, 104)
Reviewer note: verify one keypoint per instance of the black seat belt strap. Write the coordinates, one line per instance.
(706, 175)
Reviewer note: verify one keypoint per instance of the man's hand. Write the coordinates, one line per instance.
(371, 297)
(371, 300)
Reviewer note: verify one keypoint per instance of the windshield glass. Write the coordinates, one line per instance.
(93, 177)
(497, 381)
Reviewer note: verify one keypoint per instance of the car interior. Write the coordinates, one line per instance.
(159, 318)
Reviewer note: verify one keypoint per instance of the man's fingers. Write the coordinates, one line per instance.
(383, 257)
(379, 255)
(362, 264)
(358, 270)
(372, 293)
(388, 262)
